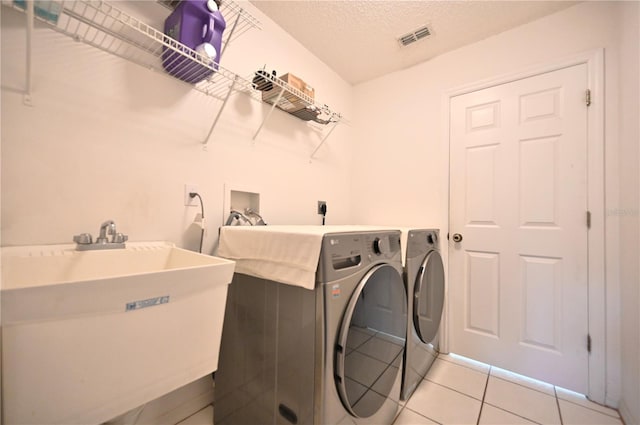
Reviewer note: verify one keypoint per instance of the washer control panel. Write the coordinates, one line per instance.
(421, 241)
(344, 253)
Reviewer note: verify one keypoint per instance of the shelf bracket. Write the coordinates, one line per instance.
(326, 136)
(26, 99)
(230, 34)
(224, 103)
(266, 118)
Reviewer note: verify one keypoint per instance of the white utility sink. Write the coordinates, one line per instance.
(89, 335)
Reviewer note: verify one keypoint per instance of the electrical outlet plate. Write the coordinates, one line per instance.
(320, 204)
(189, 201)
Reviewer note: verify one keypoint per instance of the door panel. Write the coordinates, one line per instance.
(518, 197)
(483, 290)
(542, 287)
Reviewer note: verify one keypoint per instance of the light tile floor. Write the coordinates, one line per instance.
(203, 417)
(462, 391)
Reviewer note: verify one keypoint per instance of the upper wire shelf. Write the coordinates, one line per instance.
(104, 26)
(108, 28)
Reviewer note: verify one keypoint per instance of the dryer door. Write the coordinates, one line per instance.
(428, 297)
(371, 341)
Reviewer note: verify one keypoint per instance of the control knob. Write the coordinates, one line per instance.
(381, 246)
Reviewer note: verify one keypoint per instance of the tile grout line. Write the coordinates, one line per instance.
(556, 395)
(443, 386)
(558, 404)
(560, 398)
(503, 379)
(526, 386)
(399, 413)
(513, 413)
(484, 395)
(592, 409)
(426, 417)
(523, 386)
(451, 389)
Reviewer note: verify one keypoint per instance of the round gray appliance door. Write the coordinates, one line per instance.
(428, 297)
(371, 341)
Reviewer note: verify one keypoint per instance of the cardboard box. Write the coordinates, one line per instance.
(298, 83)
(290, 102)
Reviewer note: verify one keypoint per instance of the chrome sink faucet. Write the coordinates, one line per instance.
(108, 228)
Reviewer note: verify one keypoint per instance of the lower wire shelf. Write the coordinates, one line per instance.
(294, 102)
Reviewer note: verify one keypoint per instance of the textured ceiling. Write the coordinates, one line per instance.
(358, 39)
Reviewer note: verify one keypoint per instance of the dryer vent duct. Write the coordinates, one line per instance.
(412, 37)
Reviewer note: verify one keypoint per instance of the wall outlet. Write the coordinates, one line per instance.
(189, 201)
(322, 204)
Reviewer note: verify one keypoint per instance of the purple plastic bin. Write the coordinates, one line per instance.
(193, 23)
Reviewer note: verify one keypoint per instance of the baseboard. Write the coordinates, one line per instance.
(185, 410)
(627, 415)
(171, 408)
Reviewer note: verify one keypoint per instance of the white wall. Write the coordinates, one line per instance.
(109, 139)
(399, 119)
(629, 212)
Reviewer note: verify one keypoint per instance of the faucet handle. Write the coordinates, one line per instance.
(120, 238)
(83, 239)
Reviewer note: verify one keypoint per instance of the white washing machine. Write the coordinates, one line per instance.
(424, 280)
(331, 354)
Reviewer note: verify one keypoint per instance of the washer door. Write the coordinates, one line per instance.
(371, 341)
(428, 297)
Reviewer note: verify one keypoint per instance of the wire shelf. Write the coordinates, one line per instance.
(103, 26)
(312, 111)
(277, 92)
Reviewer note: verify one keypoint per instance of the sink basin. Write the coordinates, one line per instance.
(89, 335)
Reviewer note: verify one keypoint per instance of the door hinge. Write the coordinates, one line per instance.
(588, 98)
(588, 343)
(588, 219)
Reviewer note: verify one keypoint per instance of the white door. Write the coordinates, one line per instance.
(518, 277)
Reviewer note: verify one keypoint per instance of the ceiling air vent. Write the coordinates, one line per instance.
(412, 37)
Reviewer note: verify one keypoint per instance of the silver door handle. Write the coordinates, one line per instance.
(457, 237)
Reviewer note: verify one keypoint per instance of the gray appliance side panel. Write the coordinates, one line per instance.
(245, 379)
(296, 354)
(266, 371)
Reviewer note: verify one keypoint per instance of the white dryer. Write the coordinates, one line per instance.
(424, 281)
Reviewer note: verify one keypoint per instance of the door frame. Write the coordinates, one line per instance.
(594, 59)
